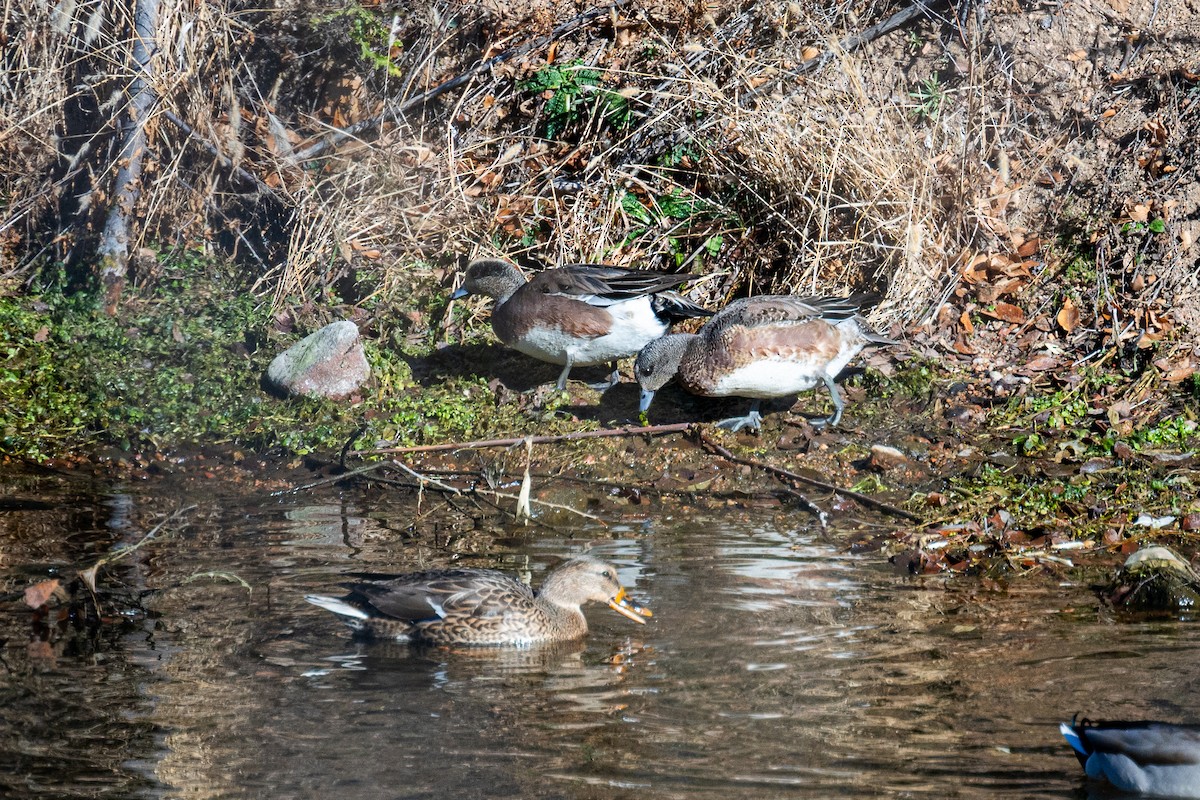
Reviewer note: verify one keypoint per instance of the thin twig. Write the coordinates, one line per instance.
(89, 575)
(225, 161)
(331, 480)
(548, 504)
(425, 479)
(859, 496)
(676, 427)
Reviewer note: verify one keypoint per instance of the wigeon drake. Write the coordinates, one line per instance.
(581, 314)
(762, 347)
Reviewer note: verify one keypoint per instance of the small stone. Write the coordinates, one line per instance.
(884, 457)
(1191, 522)
(329, 363)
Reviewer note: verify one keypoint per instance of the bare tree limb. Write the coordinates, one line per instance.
(866, 500)
(113, 250)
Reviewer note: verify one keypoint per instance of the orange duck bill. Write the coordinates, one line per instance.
(624, 605)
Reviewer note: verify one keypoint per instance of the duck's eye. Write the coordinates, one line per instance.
(606, 574)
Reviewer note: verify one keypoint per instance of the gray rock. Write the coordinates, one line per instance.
(884, 457)
(1155, 578)
(329, 363)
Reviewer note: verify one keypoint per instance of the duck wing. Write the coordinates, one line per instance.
(442, 594)
(601, 285)
(768, 310)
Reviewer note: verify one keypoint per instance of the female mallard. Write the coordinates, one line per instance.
(1153, 758)
(481, 606)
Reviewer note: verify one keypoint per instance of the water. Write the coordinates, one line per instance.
(777, 663)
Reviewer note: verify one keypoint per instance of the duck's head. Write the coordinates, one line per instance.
(657, 363)
(585, 579)
(492, 277)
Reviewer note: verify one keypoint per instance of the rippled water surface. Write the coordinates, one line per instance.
(777, 664)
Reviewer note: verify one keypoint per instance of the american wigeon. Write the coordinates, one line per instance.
(761, 347)
(579, 315)
(1153, 758)
(481, 606)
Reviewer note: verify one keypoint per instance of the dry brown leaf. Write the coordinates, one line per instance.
(1041, 363)
(1029, 247)
(1140, 212)
(809, 52)
(965, 321)
(1148, 340)
(1179, 374)
(1068, 315)
(1007, 286)
(89, 576)
(40, 593)
(1006, 312)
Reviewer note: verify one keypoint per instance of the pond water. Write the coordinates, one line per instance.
(778, 663)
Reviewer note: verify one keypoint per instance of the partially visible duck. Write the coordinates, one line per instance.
(1152, 758)
(481, 606)
(581, 314)
(762, 347)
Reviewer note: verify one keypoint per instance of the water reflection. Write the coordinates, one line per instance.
(777, 664)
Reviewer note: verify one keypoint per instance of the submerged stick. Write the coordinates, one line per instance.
(866, 500)
(652, 430)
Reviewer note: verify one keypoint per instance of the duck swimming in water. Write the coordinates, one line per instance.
(481, 606)
(1152, 758)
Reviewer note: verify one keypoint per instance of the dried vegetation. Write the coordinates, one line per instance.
(1019, 183)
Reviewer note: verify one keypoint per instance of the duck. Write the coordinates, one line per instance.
(762, 347)
(579, 314)
(1158, 759)
(481, 607)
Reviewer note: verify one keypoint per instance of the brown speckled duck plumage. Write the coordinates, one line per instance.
(762, 347)
(480, 606)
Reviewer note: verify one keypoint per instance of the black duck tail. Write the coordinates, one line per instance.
(674, 307)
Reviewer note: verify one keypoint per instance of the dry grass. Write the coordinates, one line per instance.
(698, 142)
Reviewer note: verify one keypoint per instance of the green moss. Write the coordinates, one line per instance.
(183, 365)
(913, 378)
(1086, 505)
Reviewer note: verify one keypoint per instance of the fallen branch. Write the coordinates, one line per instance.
(423, 482)
(792, 476)
(647, 430)
(225, 161)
